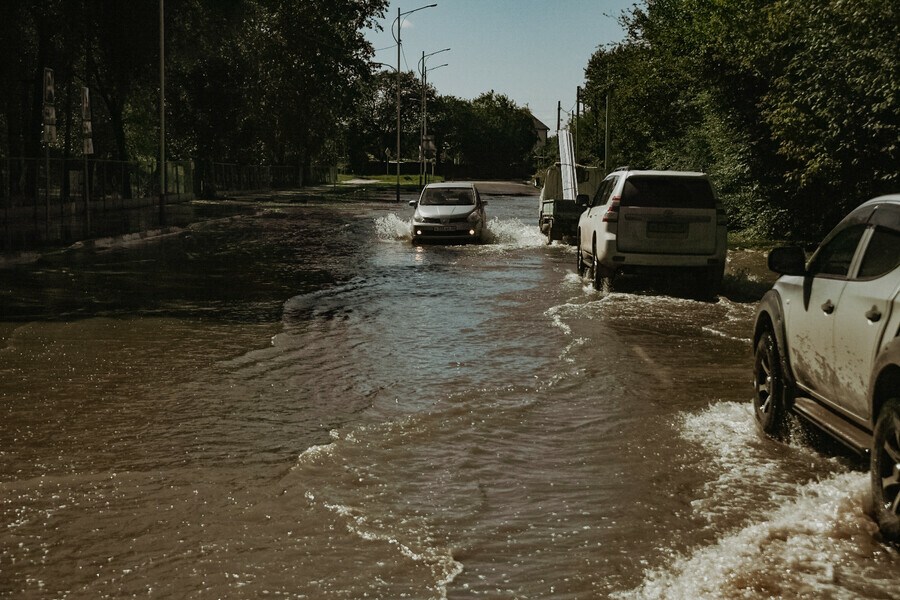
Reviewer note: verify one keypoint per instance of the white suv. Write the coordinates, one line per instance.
(641, 221)
(827, 344)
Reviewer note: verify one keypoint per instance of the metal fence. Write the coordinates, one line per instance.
(41, 198)
(230, 177)
(29, 182)
(46, 200)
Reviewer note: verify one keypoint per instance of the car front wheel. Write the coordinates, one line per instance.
(885, 470)
(769, 386)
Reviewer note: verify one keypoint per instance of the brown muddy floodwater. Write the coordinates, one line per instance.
(299, 403)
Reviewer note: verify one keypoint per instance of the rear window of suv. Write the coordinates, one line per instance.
(667, 192)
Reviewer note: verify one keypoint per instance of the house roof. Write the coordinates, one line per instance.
(538, 124)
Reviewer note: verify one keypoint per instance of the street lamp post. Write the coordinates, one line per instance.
(423, 71)
(399, 23)
(162, 115)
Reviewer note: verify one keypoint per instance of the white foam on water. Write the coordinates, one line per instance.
(820, 545)
(736, 316)
(410, 536)
(735, 453)
(556, 313)
(816, 539)
(513, 233)
(440, 561)
(393, 228)
(722, 334)
(505, 233)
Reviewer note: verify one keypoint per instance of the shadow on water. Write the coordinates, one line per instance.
(231, 263)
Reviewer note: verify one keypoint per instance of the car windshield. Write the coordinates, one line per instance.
(448, 197)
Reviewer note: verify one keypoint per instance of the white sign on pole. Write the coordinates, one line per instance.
(567, 165)
(49, 112)
(86, 129)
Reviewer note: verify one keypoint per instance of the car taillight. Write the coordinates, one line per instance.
(721, 217)
(612, 213)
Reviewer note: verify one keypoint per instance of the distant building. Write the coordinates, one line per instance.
(540, 130)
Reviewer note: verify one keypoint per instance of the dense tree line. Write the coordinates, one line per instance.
(253, 81)
(247, 81)
(792, 106)
(489, 136)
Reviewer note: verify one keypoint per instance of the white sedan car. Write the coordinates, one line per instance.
(448, 212)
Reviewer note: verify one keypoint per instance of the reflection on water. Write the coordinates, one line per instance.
(301, 403)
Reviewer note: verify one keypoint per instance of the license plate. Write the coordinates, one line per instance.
(445, 228)
(661, 227)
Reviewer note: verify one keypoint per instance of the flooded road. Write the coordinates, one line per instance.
(299, 403)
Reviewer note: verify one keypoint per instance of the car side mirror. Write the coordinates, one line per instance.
(484, 202)
(413, 203)
(582, 200)
(788, 260)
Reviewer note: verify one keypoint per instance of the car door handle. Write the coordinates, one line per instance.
(874, 315)
(828, 307)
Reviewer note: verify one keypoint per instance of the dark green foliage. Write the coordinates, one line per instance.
(262, 81)
(792, 107)
(371, 129)
(486, 137)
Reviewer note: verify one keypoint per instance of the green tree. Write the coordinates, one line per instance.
(490, 134)
(371, 129)
(834, 107)
(792, 108)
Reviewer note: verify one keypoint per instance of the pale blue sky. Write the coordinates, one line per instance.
(533, 51)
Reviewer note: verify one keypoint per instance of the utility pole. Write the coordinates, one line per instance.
(162, 115)
(606, 137)
(577, 117)
(399, 25)
(558, 114)
(422, 127)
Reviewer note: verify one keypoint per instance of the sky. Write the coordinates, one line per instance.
(532, 51)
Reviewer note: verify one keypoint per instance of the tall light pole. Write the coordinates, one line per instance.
(162, 116)
(399, 24)
(423, 72)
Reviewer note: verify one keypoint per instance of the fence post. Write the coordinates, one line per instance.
(47, 191)
(87, 198)
(7, 204)
(34, 202)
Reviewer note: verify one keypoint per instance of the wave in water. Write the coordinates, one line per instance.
(508, 233)
(820, 545)
(797, 539)
(348, 487)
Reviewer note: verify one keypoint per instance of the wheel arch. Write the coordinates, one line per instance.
(887, 378)
(770, 316)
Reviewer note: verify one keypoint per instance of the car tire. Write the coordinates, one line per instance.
(579, 262)
(710, 280)
(769, 394)
(551, 233)
(601, 282)
(885, 470)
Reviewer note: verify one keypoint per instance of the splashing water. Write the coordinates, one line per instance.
(513, 233)
(509, 233)
(392, 228)
(800, 551)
